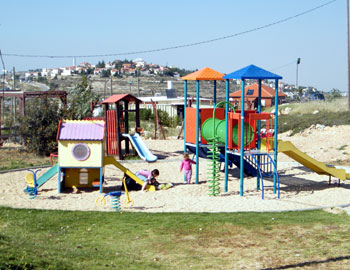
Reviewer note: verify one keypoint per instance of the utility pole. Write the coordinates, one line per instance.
(111, 86)
(13, 99)
(14, 78)
(348, 48)
(296, 83)
(105, 88)
(138, 83)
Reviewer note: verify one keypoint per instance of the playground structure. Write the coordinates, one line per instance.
(82, 154)
(237, 135)
(238, 132)
(116, 111)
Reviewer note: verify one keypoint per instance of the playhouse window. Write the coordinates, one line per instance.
(81, 151)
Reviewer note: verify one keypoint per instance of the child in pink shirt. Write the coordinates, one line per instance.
(148, 177)
(186, 164)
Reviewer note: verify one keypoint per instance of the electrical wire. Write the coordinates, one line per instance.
(285, 65)
(178, 46)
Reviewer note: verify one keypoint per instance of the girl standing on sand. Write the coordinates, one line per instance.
(186, 164)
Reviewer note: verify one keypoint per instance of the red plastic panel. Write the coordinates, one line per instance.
(111, 133)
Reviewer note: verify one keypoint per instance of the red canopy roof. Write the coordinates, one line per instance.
(253, 91)
(116, 98)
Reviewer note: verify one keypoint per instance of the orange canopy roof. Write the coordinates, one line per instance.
(206, 74)
(266, 92)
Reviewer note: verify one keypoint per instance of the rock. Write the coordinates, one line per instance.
(288, 133)
(287, 110)
(319, 126)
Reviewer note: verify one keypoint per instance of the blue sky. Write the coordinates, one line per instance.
(109, 27)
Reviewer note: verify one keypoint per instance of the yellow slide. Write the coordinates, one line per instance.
(112, 161)
(290, 150)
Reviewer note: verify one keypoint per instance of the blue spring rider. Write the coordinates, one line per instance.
(115, 199)
(32, 185)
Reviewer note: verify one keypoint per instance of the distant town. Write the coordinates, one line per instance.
(117, 68)
(140, 68)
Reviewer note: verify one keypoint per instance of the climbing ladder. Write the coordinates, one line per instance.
(265, 167)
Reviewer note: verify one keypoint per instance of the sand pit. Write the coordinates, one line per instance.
(301, 189)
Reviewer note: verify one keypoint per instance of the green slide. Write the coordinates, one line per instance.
(47, 176)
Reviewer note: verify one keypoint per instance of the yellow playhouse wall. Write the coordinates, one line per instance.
(73, 176)
(66, 158)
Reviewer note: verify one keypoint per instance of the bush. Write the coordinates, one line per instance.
(164, 118)
(299, 122)
(334, 94)
(146, 114)
(38, 128)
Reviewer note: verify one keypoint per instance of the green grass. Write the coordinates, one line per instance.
(299, 122)
(17, 158)
(336, 105)
(20, 164)
(35, 239)
(302, 115)
(343, 147)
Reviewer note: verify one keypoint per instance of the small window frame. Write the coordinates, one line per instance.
(82, 158)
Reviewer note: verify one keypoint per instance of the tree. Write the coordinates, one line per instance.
(334, 93)
(101, 64)
(38, 128)
(105, 73)
(79, 100)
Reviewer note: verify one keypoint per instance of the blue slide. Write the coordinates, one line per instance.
(203, 152)
(47, 175)
(141, 148)
(247, 167)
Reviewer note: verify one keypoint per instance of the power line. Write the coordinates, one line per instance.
(285, 65)
(178, 46)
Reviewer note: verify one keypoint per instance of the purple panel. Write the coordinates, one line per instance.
(82, 131)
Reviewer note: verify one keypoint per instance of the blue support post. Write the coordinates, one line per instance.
(197, 130)
(101, 179)
(242, 141)
(259, 136)
(226, 134)
(275, 137)
(214, 94)
(59, 179)
(259, 111)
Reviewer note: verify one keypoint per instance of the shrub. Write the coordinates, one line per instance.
(146, 114)
(38, 128)
(299, 122)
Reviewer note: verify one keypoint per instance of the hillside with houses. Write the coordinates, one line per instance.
(140, 78)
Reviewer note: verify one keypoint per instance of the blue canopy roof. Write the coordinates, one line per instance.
(252, 72)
